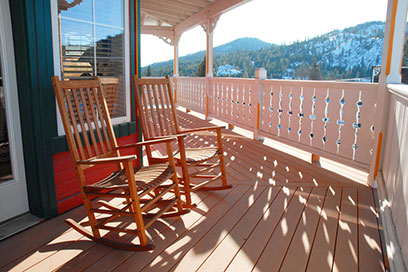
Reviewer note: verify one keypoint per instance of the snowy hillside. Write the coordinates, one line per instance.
(356, 46)
(347, 53)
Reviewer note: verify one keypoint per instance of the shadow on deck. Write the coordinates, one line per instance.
(283, 213)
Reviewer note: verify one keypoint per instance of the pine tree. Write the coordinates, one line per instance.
(314, 73)
(302, 71)
(201, 68)
(149, 71)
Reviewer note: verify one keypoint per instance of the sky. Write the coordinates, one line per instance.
(273, 21)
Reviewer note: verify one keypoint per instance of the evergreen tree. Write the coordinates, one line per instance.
(149, 71)
(302, 71)
(314, 73)
(201, 68)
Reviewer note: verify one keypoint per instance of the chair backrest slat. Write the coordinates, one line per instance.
(95, 118)
(89, 123)
(164, 109)
(158, 106)
(171, 109)
(81, 120)
(155, 107)
(153, 120)
(102, 119)
(143, 114)
(110, 134)
(86, 118)
(73, 119)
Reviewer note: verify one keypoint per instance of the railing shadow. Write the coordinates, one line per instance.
(269, 211)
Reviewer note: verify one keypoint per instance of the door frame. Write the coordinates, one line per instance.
(12, 110)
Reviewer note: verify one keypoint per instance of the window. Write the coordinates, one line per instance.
(92, 42)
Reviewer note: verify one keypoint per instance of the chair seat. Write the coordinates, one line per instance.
(198, 154)
(146, 177)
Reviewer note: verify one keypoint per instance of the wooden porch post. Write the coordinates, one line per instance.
(394, 38)
(209, 27)
(175, 43)
(260, 74)
(390, 73)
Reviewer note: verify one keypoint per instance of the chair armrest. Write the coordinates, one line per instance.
(108, 160)
(202, 129)
(149, 142)
(181, 135)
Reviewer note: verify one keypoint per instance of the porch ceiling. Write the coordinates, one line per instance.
(170, 18)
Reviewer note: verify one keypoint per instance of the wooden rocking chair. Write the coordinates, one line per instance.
(157, 113)
(92, 141)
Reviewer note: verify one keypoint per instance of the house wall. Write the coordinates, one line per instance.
(45, 153)
(394, 166)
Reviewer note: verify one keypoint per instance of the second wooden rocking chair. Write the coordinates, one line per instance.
(142, 191)
(158, 117)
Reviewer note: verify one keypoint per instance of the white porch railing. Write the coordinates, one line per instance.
(335, 120)
(329, 119)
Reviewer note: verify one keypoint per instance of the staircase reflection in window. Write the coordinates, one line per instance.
(92, 44)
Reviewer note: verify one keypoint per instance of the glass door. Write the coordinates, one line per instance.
(13, 189)
(5, 163)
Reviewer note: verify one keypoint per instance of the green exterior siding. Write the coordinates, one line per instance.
(32, 35)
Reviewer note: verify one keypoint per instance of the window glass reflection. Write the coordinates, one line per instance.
(109, 42)
(77, 39)
(109, 12)
(94, 46)
(76, 9)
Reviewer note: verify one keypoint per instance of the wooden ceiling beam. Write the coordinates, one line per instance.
(182, 14)
(157, 30)
(216, 9)
(164, 16)
(159, 18)
(199, 3)
(180, 6)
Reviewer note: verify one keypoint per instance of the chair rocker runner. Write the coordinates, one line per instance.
(156, 110)
(143, 192)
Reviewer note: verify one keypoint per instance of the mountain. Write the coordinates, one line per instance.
(185, 62)
(348, 53)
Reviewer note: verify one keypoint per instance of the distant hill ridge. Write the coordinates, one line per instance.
(241, 43)
(347, 53)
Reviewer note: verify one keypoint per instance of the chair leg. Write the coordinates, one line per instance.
(187, 185)
(134, 198)
(222, 161)
(139, 223)
(223, 171)
(177, 193)
(91, 215)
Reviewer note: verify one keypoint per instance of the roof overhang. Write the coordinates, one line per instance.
(168, 19)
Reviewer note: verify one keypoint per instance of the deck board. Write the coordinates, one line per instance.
(273, 255)
(298, 253)
(369, 235)
(346, 253)
(252, 249)
(204, 247)
(283, 213)
(227, 249)
(321, 256)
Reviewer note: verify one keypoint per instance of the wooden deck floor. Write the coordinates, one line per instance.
(283, 214)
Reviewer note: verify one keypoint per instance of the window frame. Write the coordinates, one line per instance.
(57, 62)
